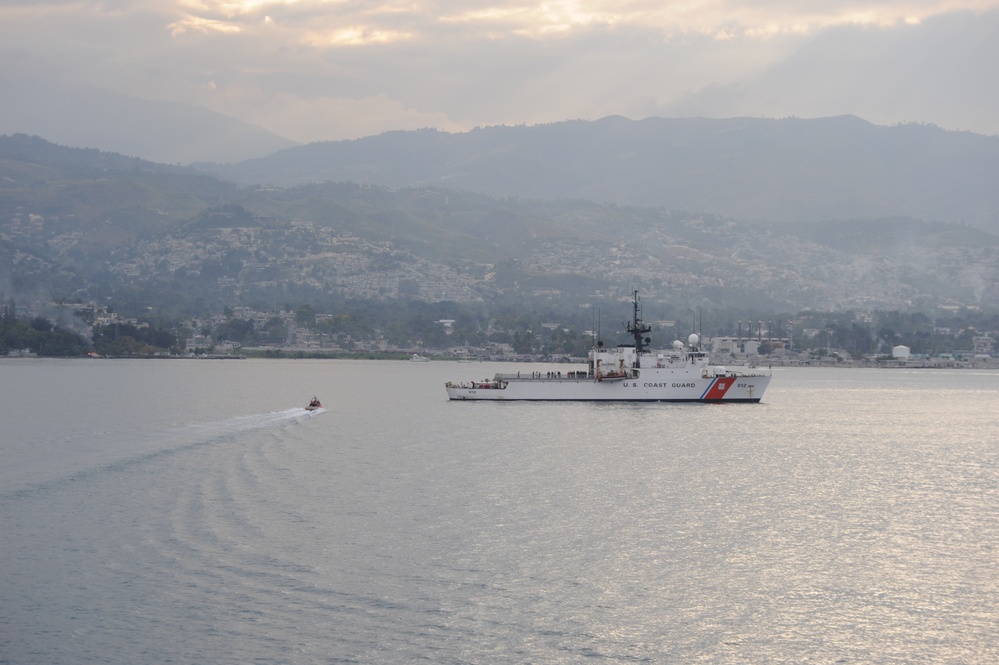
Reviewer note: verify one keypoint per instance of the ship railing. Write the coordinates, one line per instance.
(544, 376)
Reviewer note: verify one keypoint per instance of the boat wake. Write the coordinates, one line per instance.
(98, 453)
(254, 421)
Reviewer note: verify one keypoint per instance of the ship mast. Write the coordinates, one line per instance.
(636, 328)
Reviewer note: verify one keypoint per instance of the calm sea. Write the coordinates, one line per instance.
(193, 512)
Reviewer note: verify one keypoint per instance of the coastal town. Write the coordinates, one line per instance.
(241, 332)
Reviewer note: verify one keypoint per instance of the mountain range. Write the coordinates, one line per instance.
(786, 170)
(747, 214)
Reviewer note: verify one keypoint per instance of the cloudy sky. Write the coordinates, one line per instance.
(331, 69)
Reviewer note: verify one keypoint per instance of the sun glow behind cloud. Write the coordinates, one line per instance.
(339, 68)
(532, 19)
(330, 23)
(353, 36)
(201, 25)
(325, 24)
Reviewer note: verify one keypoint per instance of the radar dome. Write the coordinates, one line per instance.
(677, 344)
(692, 340)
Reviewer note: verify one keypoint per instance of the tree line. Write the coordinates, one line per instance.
(38, 335)
(528, 330)
(42, 337)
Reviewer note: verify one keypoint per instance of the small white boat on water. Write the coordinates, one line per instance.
(628, 373)
(417, 358)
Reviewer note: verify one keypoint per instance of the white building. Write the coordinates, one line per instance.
(982, 345)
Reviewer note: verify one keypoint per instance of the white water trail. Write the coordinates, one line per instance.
(48, 463)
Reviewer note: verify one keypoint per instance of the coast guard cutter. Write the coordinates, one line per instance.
(628, 373)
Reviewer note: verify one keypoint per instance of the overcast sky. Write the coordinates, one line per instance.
(313, 70)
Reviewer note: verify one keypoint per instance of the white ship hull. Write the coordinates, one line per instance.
(651, 385)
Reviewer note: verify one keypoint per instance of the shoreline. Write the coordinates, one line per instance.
(299, 354)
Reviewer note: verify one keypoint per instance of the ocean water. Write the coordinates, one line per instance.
(194, 512)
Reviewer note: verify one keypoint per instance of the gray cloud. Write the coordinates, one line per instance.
(312, 70)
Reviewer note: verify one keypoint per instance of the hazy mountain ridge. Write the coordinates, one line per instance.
(180, 241)
(34, 150)
(86, 116)
(784, 170)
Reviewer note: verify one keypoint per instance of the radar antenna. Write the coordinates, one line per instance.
(636, 328)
